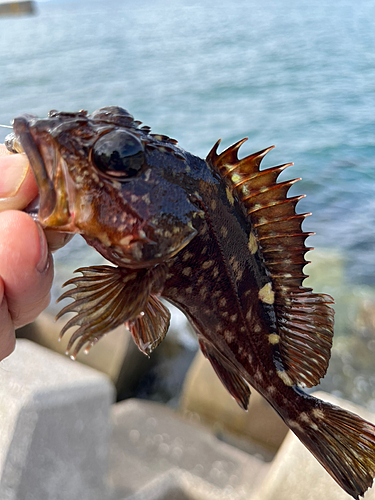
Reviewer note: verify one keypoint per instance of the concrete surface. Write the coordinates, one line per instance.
(295, 474)
(56, 443)
(115, 354)
(54, 421)
(157, 455)
(204, 394)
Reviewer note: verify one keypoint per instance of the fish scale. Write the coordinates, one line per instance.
(221, 240)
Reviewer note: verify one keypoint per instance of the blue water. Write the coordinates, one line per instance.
(297, 74)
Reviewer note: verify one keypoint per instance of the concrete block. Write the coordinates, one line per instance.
(204, 394)
(116, 355)
(295, 473)
(157, 455)
(54, 421)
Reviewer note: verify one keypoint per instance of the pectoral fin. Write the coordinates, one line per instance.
(106, 297)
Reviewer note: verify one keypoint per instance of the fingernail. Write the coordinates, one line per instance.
(43, 261)
(12, 174)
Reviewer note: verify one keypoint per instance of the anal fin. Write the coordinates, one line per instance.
(232, 381)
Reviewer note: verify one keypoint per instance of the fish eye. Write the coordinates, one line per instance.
(119, 154)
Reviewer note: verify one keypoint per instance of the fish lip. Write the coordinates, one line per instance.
(22, 126)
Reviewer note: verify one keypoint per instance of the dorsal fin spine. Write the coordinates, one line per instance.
(228, 160)
(278, 230)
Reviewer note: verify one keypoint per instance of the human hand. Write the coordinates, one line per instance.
(26, 264)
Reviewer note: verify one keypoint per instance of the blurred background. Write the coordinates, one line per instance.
(299, 75)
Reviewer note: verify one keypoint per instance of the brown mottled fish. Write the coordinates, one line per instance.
(220, 239)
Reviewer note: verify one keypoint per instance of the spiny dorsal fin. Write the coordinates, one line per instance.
(305, 319)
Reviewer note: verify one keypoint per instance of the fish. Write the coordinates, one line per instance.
(220, 239)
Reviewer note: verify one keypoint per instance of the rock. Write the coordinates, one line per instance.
(54, 421)
(295, 473)
(205, 395)
(115, 354)
(157, 455)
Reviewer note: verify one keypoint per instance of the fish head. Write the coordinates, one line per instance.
(105, 177)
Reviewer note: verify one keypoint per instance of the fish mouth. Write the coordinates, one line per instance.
(47, 167)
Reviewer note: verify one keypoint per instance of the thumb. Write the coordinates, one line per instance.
(17, 184)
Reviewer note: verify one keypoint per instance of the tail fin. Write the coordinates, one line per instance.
(341, 441)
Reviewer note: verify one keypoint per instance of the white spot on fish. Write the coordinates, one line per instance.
(215, 272)
(236, 178)
(126, 240)
(266, 294)
(285, 377)
(207, 264)
(233, 318)
(229, 196)
(137, 252)
(186, 271)
(304, 417)
(224, 231)
(187, 256)
(94, 176)
(271, 389)
(213, 204)
(294, 425)
(273, 338)
(318, 413)
(104, 238)
(228, 335)
(203, 229)
(249, 313)
(258, 376)
(253, 244)
(245, 189)
(147, 175)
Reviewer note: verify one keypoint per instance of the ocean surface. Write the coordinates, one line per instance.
(299, 75)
